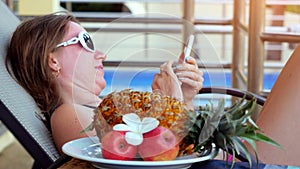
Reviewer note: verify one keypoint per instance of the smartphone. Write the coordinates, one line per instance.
(188, 48)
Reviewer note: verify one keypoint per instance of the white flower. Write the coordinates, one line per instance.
(135, 127)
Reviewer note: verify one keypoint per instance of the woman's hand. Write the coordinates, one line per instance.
(166, 82)
(190, 77)
(182, 81)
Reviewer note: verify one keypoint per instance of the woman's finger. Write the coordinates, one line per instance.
(155, 82)
(185, 67)
(196, 85)
(196, 76)
(191, 60)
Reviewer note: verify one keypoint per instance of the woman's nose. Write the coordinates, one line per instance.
(99, 55)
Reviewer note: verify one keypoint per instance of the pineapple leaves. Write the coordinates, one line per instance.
(239, 146)
(253, 146)
(90, 127)
(228, 128)
(211, 123)
(261, 137)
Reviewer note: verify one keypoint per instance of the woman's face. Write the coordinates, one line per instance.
(80, 68)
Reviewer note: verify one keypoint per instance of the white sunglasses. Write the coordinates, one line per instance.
(85, 40)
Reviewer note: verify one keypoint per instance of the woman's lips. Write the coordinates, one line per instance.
(100, 67)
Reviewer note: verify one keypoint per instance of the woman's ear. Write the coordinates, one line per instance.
(53, 63)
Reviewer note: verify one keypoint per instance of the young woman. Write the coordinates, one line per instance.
(54, 59)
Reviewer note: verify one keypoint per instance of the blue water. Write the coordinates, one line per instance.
(141, 80)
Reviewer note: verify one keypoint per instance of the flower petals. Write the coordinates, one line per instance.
(131, 119)
(135, 128)
(122, 127)
(133, 138)
(148, 124)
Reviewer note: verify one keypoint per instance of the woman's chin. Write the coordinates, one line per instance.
(99, 87)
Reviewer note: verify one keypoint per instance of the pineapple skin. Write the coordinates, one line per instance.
(170, 112)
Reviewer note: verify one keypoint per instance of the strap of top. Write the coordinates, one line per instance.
(89, 106)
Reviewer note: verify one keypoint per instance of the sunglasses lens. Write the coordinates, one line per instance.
(88, 41)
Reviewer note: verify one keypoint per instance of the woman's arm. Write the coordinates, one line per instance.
(280, 117)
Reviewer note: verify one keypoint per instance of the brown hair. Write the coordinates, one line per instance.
(27, 58)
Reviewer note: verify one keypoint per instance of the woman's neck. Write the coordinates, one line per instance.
(77, 95)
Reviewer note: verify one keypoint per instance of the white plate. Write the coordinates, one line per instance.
(88, 149)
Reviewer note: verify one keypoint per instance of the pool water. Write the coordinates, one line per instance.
(142, 80)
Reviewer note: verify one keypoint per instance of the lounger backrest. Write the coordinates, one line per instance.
(17, 108)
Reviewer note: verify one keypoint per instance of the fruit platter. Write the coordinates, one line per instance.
(89, 149)
(144, 129)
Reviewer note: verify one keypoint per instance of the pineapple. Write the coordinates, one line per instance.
(170, 112)
(228, 129)
(197, 130)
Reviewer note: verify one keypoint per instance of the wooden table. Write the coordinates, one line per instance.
(77, 164)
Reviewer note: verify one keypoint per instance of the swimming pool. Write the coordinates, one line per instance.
(141, 80)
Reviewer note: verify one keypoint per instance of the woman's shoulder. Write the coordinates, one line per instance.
(64, 108)
(74, 115)
(64, 111)
(71, 107)
(69, 120)
(67, 110)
